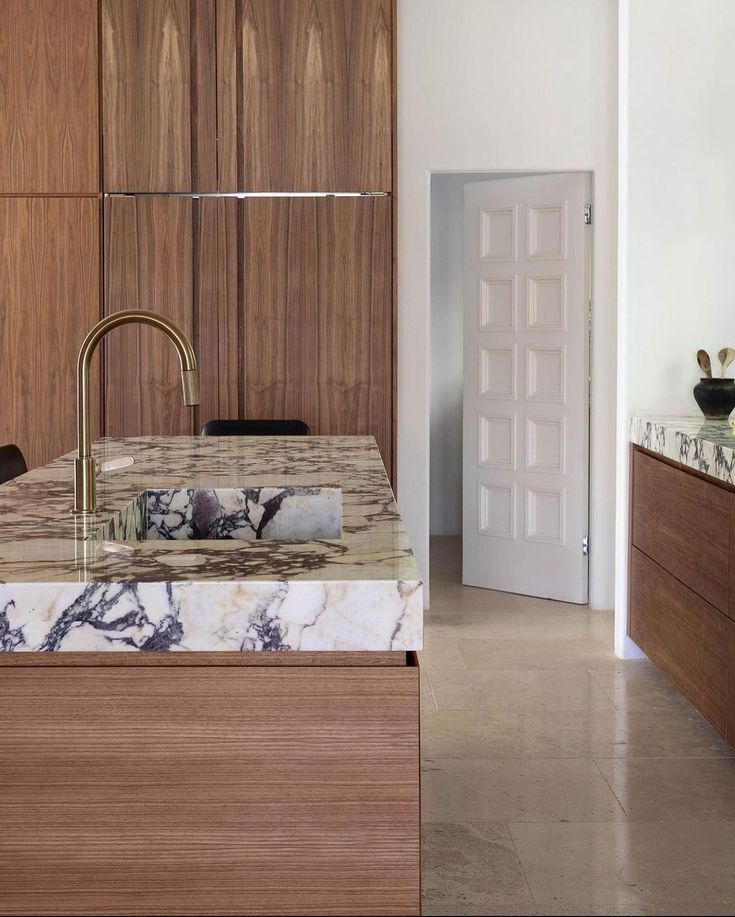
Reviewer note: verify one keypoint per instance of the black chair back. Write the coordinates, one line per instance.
(12, 463)
(255, 428)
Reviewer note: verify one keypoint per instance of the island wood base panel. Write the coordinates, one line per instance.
(210, 790)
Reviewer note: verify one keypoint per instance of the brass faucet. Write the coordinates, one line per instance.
(85, 466)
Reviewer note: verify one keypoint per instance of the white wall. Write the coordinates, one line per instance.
(504, 85)
(677, 229)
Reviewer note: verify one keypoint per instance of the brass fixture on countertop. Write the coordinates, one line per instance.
(85, 466)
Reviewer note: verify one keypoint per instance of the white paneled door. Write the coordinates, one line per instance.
(526, 386)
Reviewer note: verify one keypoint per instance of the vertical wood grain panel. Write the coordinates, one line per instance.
(49, 298)
(149, 264)
(304, 95)
(49, 141)
(279, 306)
(355, 320)
(216, 309)
(318, 314)
(159, 95)
(151, 790)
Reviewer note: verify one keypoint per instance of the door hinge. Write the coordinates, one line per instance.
(586, 545)
(587, 214)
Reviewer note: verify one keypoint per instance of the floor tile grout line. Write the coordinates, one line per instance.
(523, 868)
(596, 761)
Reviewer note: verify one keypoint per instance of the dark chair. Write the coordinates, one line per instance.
(255, 428)
(12, 463)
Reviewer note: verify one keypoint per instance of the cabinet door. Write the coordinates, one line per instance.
(317, 314)
(682, 522)
(684, 635)
(304, 95)
(49, 141)
(49, 298)
(159, 95)
(176, 256)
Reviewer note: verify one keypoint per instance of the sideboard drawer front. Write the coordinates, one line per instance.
(685, 636)
(682, 522)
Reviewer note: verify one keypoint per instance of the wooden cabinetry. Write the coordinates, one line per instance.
(682, 522)
(305, 95)
(683, 634)
(681, 582)
(49, 138)
(263, 95)
(49, 297)
(159, 95)
(137, 790)
(288, 300)
(176, 256)
(317, 315)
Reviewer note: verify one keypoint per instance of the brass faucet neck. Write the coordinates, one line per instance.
(85, 472)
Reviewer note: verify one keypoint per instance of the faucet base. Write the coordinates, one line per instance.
(85, 485)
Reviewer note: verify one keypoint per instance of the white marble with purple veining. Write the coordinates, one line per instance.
(208, 543)
(707, 446)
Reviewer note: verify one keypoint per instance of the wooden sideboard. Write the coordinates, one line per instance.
(290, 301)
(682, 581)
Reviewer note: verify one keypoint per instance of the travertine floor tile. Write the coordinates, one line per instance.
(620, 798)
(529, 654)
(455, 790)
(472, 869)
(681, 867)
(586, 733)
(517, 690)
(673, 788)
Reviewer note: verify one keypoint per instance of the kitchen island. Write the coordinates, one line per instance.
(209, 688)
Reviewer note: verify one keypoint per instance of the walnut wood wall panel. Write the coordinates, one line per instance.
(317, 314)
(176, 256)
(684, 635)
(49, 297)
(159, 95)
(217, 333)
(682, 522)
(49, 136)
(304, 95)
(298, 796)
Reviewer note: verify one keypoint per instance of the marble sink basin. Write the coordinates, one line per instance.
(240, 514)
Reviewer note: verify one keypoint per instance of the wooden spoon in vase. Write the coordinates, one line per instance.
(726, 356)
(704, 363)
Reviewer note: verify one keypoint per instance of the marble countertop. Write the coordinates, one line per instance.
(72, 584)
(707, 446)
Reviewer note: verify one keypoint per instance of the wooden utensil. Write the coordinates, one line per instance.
(704, 363)
(726, 356)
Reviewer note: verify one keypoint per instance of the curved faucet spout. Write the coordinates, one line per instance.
(85, 472)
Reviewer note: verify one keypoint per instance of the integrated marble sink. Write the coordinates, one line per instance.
(229, 514)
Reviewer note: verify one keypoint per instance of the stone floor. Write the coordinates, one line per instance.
(558, 779)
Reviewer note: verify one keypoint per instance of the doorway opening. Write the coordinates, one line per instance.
(510, 379)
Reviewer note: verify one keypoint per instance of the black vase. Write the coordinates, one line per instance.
(715, 397)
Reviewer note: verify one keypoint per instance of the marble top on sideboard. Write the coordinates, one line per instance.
(707, 446)
(63, 587)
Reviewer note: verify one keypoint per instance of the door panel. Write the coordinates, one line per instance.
(49, 298)
(317, 313)
(49, 141)
(304, 95)
(159, 95)
(526, 386)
